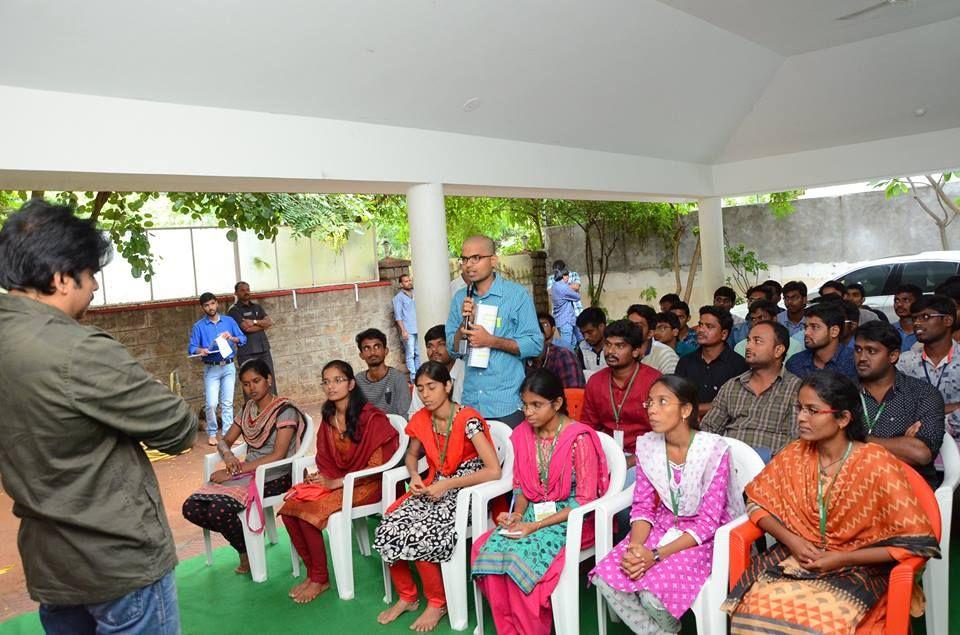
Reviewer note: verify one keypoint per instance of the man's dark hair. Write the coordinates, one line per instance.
(795, 285)
(723, 316)
(726, 292)
(856, 286)
(438, 332)
(626, 329)
(881, 332)
(912, 289)
(949, 288)
(41, 240)
(371, 334)
(832, 284)
(549, 318)
(777, 287)
(766, 306)
(780, 334)
(402, 276)
(683, 306)
(644, 311)
(236, 287)
(205, 297)
(766, 291)
(939, 303)
(832, 313)
(591, 316)
(669, 318)
(851, 312)
(672, 299)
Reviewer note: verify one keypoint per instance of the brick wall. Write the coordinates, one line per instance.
(302, 340)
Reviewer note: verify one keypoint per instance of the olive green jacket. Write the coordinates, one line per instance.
(75, 407)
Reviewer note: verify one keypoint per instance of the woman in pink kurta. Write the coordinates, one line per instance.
(680, 499)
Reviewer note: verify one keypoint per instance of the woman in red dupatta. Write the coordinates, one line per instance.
(419, 527)
(272, 427)
(353, 435)
(558, 465)
(842, 512)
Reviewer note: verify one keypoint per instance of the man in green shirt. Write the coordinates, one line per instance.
(94, 539)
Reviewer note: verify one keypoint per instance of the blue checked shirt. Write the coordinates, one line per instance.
(495, 390)
(205, 333)
(404, 310)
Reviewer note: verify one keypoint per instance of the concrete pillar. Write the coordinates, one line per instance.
(430, 256)
(711, 247)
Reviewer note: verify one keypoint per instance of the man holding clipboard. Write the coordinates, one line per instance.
(496, 320)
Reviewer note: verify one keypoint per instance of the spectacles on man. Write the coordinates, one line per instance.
(926, 317)
(474, 259)
(799, 408)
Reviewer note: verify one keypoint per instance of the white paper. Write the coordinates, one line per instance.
(672, 534)
(504, 532)
(618, 438)
(224, 345)
(486, 316)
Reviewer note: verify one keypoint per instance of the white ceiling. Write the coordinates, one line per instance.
(691, 80)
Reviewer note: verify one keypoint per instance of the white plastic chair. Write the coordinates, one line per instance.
(455, 570)
(349, 520)
(936, 576)
(745, 464)
(565, 599)
(256, 548)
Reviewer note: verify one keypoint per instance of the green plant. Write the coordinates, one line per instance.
(745, 267)
(949, 208)
(649, 294)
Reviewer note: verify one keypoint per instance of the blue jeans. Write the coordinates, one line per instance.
(413, 354)
(218, 383)
(565, 337)
(150, 610)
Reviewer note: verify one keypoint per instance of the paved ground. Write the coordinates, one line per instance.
(178, 476)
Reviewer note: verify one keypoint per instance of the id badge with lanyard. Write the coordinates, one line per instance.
(618, 408)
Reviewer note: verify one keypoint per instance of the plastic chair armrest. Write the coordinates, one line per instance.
(603, 519)
(300, 464)
(482, 494)
(741, 539)
(899, 593)
(262, 471)
(212, 460)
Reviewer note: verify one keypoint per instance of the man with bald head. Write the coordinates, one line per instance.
(494, 390)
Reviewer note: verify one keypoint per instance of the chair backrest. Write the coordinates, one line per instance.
(500, 433)
(745, 463)
(616, 462)
(308, 441)
(400, 425)
(574, 399)
(950, 455)
(928, 501)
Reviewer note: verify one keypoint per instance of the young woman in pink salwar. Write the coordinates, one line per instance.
(680, 500)
(558, 466)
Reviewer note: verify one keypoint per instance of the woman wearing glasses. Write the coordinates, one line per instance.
(353, 435)
(680, 499)
(419, 528)
(558, 465)
(842, 512)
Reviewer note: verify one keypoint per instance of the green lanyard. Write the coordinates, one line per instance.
(823, 498)
(871, 423)
(543, 463)
(618, 409)
(446, 442)
(676, 493)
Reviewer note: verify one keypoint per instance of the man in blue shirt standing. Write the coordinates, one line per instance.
(565, 298)
(495, 389)
(219, 373)
(405, 313)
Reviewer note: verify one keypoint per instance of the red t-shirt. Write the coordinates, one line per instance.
(598, 411)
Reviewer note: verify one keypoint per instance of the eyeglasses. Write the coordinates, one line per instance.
(798, 408)
(336, 380)
(536, 405)
(473, 259)
(659, 403)
(925, 317)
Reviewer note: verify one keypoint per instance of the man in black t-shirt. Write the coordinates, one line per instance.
(253, 321)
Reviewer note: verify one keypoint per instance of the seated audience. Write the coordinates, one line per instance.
(681, 497)
(669, 301)
(757, 406)
(592, 321)
(832, 288)
(822, 340)
(902, 413)
(951, 288)
(795, 300)
(714, 363)
(851, 322)
(903, 299)
(654, 354)
(419, 527)
(437, 351)
(558, 465)
(725, 298)
(384, 386)
(765, 311)
(937, 361)
(754, 294)
(561, 361)
(272, 427)
(666, 330)
(686, 335)
(855, 293)
(836, 540)
(614, 397)
(353, 435)
(777, 290)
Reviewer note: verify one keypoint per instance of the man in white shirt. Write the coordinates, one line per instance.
(653, 353)
(436, 342)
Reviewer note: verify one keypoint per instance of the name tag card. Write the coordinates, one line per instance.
(542, 511)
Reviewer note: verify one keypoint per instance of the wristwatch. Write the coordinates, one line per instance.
(656, 554)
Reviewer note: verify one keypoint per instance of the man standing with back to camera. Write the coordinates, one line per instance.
(96, 548)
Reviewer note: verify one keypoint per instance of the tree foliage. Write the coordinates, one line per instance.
(947, 209)
(745, 267)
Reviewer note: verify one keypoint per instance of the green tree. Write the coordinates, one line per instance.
(947, 209)
(745, 267)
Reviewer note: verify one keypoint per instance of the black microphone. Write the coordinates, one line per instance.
(464, 345)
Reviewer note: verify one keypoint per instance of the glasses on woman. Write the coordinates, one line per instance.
(659, 402)
(336, 380)
(799, 408)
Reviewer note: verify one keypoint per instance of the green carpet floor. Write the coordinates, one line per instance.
(215, 600)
